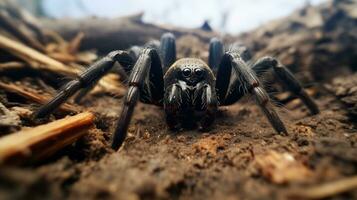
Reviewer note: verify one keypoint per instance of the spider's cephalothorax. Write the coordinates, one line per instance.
(189, 90)
(189, 86)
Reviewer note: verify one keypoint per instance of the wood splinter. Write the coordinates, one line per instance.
(42, 141)
(325, 190)
(35, 97)
(40, 61)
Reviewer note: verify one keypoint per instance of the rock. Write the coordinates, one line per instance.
(8, 118)
(345, 88)
(282, 167)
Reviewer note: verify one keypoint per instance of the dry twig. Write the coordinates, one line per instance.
(41, 61)
(11, 65)
(42, 141)
(325, 190)
(34, 97)
(19, 30)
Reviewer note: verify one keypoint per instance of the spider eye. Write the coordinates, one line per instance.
(186, 72)
(198, 72)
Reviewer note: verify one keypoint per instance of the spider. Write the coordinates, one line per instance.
(188, 89)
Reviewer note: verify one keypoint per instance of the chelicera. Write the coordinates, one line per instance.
(188, 89)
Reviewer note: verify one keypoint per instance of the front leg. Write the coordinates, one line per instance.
(175, 100)
(148, 66)
(206, 100)
(173, 105)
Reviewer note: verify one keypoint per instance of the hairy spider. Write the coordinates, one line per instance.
(188, 89)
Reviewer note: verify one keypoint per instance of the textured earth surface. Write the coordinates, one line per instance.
(240, 158)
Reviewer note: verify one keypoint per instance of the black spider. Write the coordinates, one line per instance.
(188, 89)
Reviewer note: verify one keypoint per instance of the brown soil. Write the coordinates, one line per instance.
(231, 161)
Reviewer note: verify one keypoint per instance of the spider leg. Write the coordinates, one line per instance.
(134, 51)
(216, 51)
(249, 83)
(231, 91)
(242, 50)
(65, 92)
(167, 50)
(146, 77)
(173, 103)
(126, 63)
(288, 79)
(87, 79)
(208, 102)
(228, 85)
(83, 92)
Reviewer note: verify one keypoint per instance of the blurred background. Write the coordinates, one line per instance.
(229, 16)
(303, 34)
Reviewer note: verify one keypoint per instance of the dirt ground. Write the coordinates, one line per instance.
(240, 158)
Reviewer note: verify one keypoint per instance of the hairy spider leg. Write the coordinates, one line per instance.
(236, 91)
(167, 50)
(216, 51)
(249, 83)
(287, 78)
(208, 102)
(146, 78)
(86, 80)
